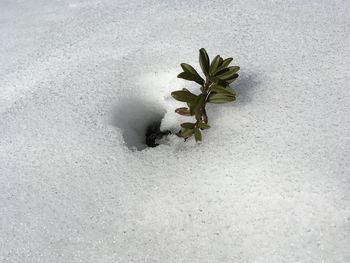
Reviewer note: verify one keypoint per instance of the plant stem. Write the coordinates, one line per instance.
(205, 92)
(206, 86)
(205, 116)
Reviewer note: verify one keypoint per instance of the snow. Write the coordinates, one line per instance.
(80, 80)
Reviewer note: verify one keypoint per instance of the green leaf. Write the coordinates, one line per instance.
(183, 95)
(189, 76)
(197, 105)
(224, 64)
(189, 68)
(204, 61)
(229, 74)
(220, 89)
(221, 60)
(183, 111)
(186, 133)
(222, 69)
(220, 98)
(223, 83)
(187, 125)
(214, 64)
(214, 79)
(203, 125)
(235, 76)
(197, 135)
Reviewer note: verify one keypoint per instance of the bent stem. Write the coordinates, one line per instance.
(205, 93)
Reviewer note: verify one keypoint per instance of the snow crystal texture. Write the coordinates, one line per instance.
(79, 82)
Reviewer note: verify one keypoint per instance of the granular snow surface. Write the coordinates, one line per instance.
(81, 80)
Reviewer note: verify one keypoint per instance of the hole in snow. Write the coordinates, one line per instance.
(139, 121)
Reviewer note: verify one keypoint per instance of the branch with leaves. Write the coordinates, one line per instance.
(214, 89)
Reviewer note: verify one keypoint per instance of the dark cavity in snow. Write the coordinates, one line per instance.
(153, 134)
(139, 121)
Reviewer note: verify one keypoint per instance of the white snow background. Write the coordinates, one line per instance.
(269, 183)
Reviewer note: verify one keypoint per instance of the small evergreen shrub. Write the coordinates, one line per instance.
(218, 75)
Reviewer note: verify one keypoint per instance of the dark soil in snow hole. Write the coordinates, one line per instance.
(153, 133)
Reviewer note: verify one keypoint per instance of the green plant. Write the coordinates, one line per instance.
(214, 89)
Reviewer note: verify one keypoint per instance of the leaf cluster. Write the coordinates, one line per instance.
(218, 75)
